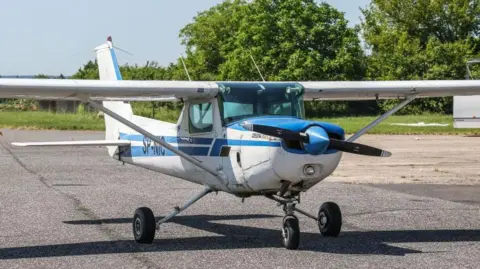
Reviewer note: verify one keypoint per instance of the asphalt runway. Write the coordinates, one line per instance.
(72, 208)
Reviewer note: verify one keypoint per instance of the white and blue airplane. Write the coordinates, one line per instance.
(243, 138)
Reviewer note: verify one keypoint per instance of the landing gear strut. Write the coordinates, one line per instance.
(144, 225)
(329, 220)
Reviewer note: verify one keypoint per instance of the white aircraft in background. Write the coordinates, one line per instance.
(243, 138)
(466, 109)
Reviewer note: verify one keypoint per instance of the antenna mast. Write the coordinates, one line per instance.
(185, 67)
(260, 73)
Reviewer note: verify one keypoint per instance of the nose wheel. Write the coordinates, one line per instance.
(329, 220)
(291, 232)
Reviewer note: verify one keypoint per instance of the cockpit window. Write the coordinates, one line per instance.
(244, 100)
(201, 118)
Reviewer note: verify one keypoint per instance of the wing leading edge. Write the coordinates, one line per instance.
(134, 90)
(361, 90)
(69, 89)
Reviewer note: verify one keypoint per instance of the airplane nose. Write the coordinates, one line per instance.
(318, 140)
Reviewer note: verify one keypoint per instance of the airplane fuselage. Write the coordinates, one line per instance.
(213, 132)
(253, 163)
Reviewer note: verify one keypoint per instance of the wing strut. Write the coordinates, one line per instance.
(408, 99)
(220, 176)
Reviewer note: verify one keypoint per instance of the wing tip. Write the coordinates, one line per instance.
(17, 144)
(386, 153)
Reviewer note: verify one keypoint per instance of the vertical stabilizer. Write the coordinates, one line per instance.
(109, 70)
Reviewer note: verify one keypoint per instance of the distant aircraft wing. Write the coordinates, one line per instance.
(70, 89)
(361, 90)
(91, 143)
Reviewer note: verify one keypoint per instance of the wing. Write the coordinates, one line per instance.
(70, 89)
(134, 90)
(360, 90)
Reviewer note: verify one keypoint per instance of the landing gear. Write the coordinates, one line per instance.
(291, 232)
(329, 220)
(144, 225)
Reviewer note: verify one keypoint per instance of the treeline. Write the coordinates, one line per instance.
(302, 40)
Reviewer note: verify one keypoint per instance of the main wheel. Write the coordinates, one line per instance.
(291, 232)
(329, 219)
(144, 225)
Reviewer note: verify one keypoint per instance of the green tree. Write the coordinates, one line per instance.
(149, 71)
(88, 71)
(211, 37)
(422, 39)
(290, 40)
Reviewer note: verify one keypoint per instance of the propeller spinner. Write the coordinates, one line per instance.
(305, 138)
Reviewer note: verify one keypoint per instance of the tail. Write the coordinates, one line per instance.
(109, 70)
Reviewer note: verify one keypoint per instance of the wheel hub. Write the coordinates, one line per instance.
(322, 219)
(284, 233)
(138, 225)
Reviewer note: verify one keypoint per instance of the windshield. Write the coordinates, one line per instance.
(245, 100)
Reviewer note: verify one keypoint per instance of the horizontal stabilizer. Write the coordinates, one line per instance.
(74, 143)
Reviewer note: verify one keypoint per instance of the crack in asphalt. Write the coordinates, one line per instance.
(79, 207)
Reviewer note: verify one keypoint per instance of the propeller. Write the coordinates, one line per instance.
(276, 132)
(357, 148)
(336, 144)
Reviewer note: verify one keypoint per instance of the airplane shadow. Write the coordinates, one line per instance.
(240, 237)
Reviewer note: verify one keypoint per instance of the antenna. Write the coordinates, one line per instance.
(109, 39)
(185, 67)
(260, 73)
(123, 50)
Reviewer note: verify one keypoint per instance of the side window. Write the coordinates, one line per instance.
(201, 118)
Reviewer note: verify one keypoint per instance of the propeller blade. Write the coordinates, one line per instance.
(356, 148)
(276, 132)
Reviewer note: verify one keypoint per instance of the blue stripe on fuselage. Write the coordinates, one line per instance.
(171, 139)
(187, 145)
(158, 151)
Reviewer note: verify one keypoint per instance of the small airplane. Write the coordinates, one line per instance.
(242, 138)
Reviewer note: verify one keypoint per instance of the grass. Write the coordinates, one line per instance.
(39, 120)
(161, 113)
(90, 121)
(353, 124)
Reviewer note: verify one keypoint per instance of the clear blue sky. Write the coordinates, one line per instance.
(57, 36)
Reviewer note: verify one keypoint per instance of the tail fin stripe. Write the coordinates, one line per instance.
(115, 65)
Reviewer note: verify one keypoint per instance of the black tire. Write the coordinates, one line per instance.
(329, 219)
(144, 225)
(291, 232)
